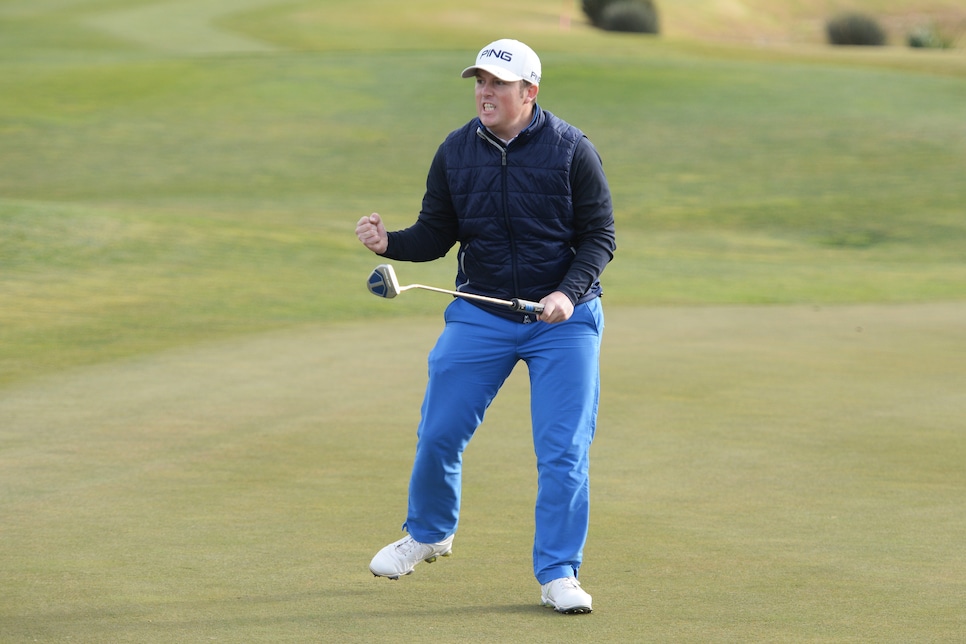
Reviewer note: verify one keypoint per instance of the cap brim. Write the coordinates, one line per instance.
(499, 72)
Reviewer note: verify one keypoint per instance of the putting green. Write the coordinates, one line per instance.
(759, 473)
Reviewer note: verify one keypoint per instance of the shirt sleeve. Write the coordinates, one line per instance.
(594, 236)
(436, 228)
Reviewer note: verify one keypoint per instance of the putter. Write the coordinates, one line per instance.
(383, 282)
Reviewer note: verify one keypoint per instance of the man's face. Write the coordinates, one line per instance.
(504, 107)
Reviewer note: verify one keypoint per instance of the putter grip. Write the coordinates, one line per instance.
(526, 306)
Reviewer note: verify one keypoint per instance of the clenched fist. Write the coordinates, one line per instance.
(372, 233)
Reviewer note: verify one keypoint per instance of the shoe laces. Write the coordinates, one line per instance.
(406, 547)
(569, 582)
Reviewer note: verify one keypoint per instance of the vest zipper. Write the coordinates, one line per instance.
(505, 199)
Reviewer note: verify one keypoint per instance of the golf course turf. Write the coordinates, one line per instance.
(207, 422)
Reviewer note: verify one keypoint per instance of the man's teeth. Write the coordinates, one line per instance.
(488, 107)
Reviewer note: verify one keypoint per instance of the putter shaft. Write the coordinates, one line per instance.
(516, 304)
(383, 282)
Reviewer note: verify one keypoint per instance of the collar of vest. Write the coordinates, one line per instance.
(539, 118)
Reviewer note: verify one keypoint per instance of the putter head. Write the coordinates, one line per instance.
(383, 282)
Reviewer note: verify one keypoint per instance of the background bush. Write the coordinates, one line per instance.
(636, 16)
(594, 9)
(854, 29)
(929, 37)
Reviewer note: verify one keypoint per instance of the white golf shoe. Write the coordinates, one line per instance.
(565, 595)
(401, 557)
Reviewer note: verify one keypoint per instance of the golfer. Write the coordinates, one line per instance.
(524, 195)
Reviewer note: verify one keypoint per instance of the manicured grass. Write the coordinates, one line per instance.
(760, 473)
(206, 422)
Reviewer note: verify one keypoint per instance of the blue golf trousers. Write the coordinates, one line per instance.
(471, 360)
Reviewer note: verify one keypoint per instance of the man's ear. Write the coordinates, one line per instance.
(532, 92)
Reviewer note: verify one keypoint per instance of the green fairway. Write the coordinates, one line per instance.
(207, 423)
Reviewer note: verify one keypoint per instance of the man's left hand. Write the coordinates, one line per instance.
(557, 307)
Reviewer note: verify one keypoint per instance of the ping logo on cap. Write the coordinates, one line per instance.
(497, 53)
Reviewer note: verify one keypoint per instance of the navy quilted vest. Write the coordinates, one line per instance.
(514, 207)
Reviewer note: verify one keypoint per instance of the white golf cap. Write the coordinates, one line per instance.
(508, 60)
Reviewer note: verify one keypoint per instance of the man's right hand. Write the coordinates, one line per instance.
(372, 233)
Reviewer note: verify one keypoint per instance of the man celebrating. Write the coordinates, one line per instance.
(525, 196)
